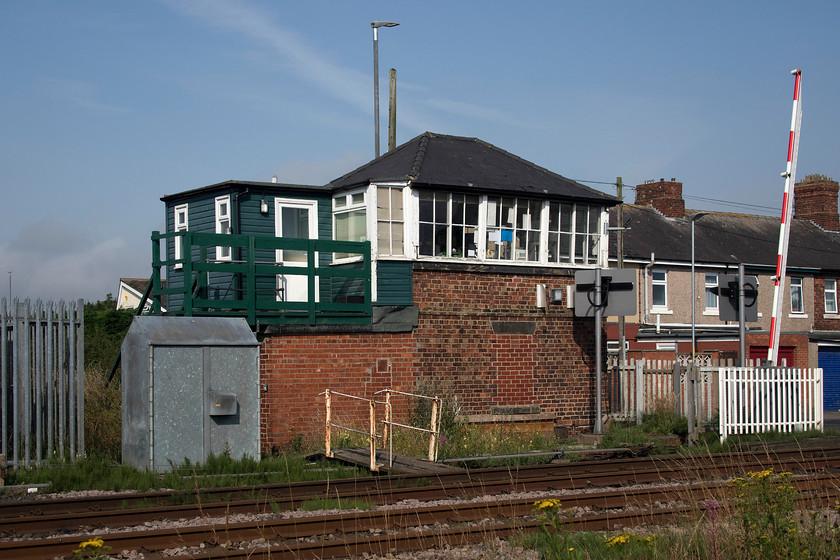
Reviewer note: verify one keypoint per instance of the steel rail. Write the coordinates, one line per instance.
(36, 523)
(296, 492)
(295, 535)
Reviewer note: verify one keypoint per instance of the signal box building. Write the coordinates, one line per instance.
(426, 270)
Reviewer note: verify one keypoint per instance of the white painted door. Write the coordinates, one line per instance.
(295, 219)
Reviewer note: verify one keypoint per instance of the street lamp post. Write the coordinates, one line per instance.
(376, 25)
(693, 217)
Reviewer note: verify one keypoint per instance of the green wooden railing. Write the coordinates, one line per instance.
(337, 273)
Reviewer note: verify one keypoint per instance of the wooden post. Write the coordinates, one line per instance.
(433, 429)
(327, 428)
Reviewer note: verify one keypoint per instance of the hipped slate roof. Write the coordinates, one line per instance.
(469, 165)
(724, 238)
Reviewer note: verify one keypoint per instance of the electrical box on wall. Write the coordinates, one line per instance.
(555, 296)
(222, 403)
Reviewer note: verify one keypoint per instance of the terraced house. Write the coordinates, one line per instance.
(658, 245)
(425, 270)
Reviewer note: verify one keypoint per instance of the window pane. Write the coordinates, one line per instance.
(426, 207)
(594, 214)
(566, 217)
(658, 292)
(427, 235)
(440, 208)
(457, 241)
(457, 209)
(565, 248)
(581, 218)
(440, 240)
(796, 305)
(831, 296)
(492, 211)
(553, 216)
(471, 210)
(396, 204)
(357, 198)
(506, 219)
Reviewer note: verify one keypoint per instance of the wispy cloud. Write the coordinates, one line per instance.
(345, 84)
(83, 94)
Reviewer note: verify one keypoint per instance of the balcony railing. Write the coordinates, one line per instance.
(320, 281)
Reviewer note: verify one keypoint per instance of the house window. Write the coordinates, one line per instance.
(711, 295)
(350, 217)
(831, 296)
(513, 229)
(390, 221)
(796, 302)
(180, 224)
(659, 294)
(447, 224)
(573, 233)
(223, 225)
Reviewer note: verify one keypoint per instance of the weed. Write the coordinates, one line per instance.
(92, 549)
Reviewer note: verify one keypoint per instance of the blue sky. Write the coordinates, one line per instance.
(107, 106)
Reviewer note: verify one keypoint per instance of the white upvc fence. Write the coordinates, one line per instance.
(760, 399)
(748, 400)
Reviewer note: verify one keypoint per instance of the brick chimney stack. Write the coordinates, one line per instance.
(815, 199)
(665, 196)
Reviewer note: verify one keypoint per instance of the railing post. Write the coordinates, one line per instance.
(186, 254)
(386, 426)
(327, 424)
(433, 429)
(640, 389)
(373, 466)
(251, 283)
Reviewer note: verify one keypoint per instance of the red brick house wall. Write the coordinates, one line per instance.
(480, 341)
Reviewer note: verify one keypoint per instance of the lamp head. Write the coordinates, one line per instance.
(377, 24)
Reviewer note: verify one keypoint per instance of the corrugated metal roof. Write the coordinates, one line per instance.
(191, 331)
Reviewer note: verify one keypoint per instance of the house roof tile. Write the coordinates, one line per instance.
(467, 164)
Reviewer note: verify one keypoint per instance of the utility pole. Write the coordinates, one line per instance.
(622, 353)
(392, 110)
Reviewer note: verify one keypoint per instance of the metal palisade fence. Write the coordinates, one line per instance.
(42, 381)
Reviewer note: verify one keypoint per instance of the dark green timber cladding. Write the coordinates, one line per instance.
(393, 283)
(247, 220)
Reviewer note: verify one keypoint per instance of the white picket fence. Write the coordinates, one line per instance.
(756, 400)
(748, 400)
(645, 386)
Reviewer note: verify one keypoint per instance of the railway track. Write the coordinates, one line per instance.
(315, 536)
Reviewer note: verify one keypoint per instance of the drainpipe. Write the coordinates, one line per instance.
(647, 273)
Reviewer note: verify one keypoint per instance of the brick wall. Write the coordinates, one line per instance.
(815, 199)
(665, 196)
(480, 341)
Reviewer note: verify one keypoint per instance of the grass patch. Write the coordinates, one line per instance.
(102, 473)
(321, 504)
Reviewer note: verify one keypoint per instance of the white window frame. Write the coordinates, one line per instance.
(350, 202)
(182, 210)
(390, 222)
(654, 282)
(223, 226)
(830, 309)
(711, 309)
(449, 224)
(797, 284)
